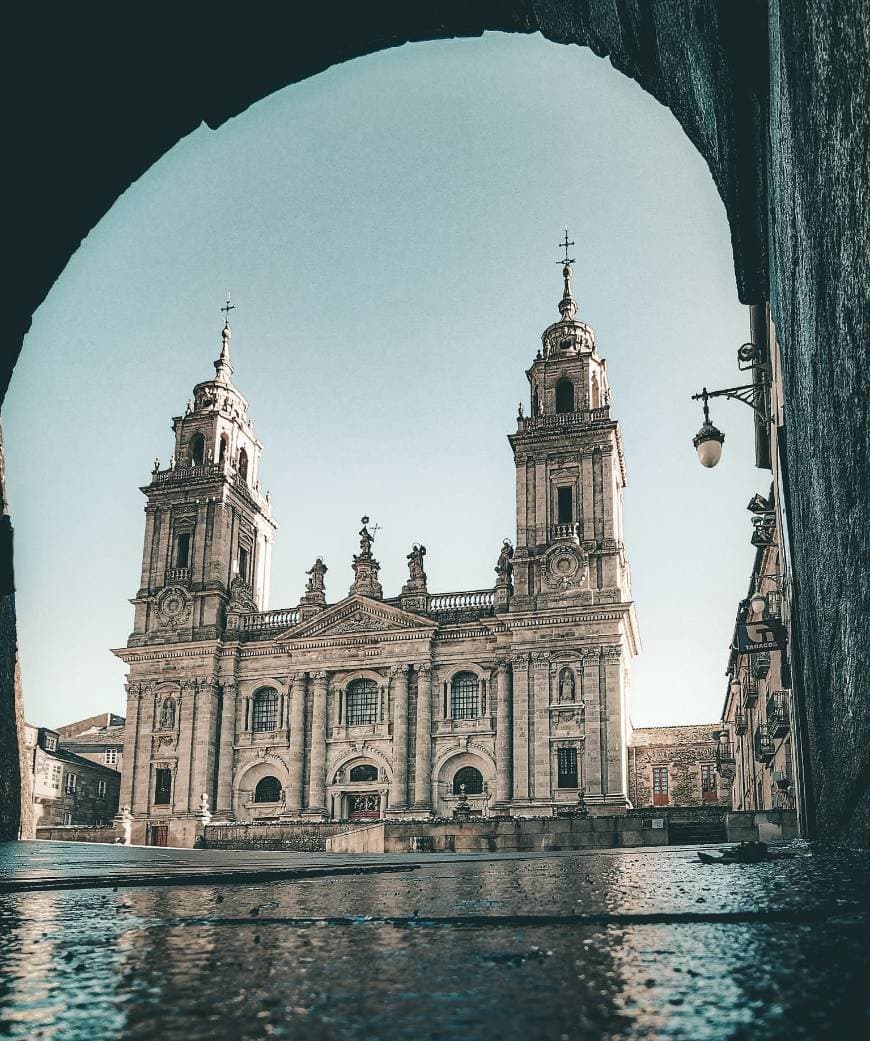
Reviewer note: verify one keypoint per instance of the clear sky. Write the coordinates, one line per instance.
(388, 230)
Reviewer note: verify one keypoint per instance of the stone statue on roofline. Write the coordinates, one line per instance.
(504, 568)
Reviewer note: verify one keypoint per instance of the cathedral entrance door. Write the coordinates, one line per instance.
(159, 835)
(363, 806)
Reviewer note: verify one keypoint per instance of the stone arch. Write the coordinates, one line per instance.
(446, 768)
(470, 756)
(710, 65)
(357, 757)
(249, 774)
(342, 680)
(482, 673)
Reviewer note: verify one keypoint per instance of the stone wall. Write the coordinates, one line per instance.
(299, 838)
(73, 834)
(682, 750)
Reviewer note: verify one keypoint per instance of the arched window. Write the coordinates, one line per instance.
(362, 703)
(364, 772)
(268, 790)
(243, 464)
(595, 396)
(564, 396)
(197, 450)
(265, 715)
(222, 451)
(167, 715)
(464, 696)
(471, 778)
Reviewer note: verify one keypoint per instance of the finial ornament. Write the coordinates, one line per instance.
(231, 307)
(223, 367)
(567, 305)
(566, 260)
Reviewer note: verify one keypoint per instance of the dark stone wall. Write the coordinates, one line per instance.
(820, 300)
(775, 98)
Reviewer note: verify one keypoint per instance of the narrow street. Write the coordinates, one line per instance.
(621, 944)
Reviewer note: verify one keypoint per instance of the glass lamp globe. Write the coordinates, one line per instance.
(735, 688)
(708, 444)
(758, 603)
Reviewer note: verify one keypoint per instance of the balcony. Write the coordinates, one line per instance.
(759, 665)
(763, 743)
(777, 713)
(740, 722)
(750, 691)
(565, 531)
(270, 621)
(724, 756)
(562, 421)
(176, 574)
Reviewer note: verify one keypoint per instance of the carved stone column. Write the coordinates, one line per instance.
(539, 726)
(224, 802)
(423, 754)
(297, 743)
(316, 803)
(132, 751)
(504, 774)
(181, 800)
(521, 726)
(399, 787)
(591, 695)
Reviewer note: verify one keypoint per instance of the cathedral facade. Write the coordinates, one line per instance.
(511, 700)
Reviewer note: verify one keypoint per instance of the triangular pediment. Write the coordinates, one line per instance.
(358, 615)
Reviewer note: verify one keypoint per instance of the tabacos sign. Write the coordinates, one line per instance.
(768, 635)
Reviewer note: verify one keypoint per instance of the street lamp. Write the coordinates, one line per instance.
(709, 439)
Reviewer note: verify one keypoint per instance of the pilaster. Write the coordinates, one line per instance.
(317, 765)
(504, 744)
(423, 757)
(224, 800)
(541, 728)
(521, 726)
(297, 742)
(399, 788)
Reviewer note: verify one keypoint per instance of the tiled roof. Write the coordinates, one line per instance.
(76, 760)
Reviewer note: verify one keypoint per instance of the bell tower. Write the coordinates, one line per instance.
(208, 528)
(570, 472)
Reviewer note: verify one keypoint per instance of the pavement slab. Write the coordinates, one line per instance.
(622, 944)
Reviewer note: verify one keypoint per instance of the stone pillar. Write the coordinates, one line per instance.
(132, 752)
(399, 787)
(187, 718)
(503, 743)
(615, 765)
(591, 696)
(297, 743)
(423, 754)
(588, 500)
(521, 725)
(224, 802)
(317, 767)
(142, 781)
(540, 727)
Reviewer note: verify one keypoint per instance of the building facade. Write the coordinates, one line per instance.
(757, 752)
(763, 745)
(676, 766)
(99, 738)
(512, 698)
(67, 788)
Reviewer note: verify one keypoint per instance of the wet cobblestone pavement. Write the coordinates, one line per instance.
(617, 945)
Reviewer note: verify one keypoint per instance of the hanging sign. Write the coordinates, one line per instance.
(768, 635)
